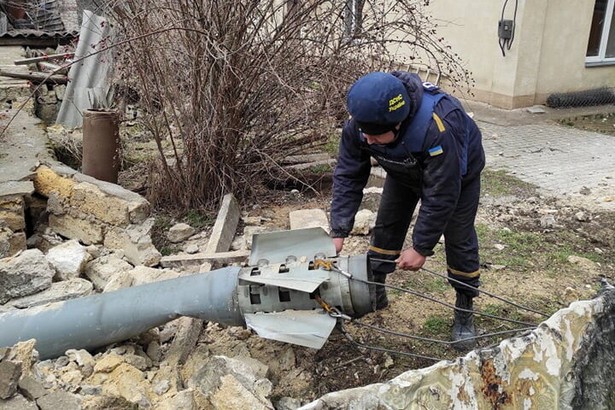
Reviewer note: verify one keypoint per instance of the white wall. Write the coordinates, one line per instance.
(547, 55)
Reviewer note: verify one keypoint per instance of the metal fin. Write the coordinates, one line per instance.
(309, 328)
(275, 247)
(304, 281)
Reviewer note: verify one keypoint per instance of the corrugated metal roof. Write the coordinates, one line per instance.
(28, 37)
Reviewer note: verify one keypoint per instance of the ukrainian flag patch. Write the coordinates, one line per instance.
(435, 151)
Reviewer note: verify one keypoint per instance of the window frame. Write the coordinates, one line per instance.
(600, 59)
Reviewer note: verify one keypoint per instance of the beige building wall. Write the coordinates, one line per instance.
(547, 55)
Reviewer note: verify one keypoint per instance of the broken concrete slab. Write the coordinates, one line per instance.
(225, 226)
(308, 218)
(179, 261)
(16, 188)
(59, 291)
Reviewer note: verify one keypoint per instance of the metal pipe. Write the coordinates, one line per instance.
(282, 297)
(101, 145)
(95, 321)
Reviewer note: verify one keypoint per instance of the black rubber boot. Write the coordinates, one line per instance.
(382, 300)
(463, 324)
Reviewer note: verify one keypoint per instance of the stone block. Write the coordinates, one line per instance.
(68, 259)
(10, 372)
(11, 242)
(24, 274)
(87, 198)
(88, 232)
(136, 243)
(12, 212)
(103, 270)
(47, 180)
(308, 218)
(138, 208)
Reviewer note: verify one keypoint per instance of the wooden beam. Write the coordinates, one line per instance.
(199, 258)
(49, 57)
(35, 77)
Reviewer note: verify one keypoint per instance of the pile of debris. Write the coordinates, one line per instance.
(49, 69)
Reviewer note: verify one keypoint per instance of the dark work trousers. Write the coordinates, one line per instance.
(397, 205)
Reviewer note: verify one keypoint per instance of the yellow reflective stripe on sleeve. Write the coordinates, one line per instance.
(474, 274)
(438, 122)
(384, 251)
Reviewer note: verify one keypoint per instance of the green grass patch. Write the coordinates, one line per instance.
(436, 325)
(198, 219)
(321, 169)
(499, 183)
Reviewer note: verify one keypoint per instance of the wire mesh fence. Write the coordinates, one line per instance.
(585, 98)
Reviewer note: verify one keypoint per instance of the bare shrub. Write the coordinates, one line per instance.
(235, 87)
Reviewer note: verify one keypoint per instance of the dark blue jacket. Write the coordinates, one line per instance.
(434, 162)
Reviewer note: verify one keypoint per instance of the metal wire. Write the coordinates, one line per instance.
(468, 286)
(444, 342)
(383, 349)
(510, 302)
(420, 295)
(425, 339)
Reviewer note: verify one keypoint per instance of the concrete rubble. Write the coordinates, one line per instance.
(171, 367)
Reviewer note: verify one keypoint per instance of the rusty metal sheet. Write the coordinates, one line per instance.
(309, 328)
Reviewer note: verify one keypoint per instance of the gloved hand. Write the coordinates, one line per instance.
(410, 260)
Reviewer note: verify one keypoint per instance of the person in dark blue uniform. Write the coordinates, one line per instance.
(432, 152)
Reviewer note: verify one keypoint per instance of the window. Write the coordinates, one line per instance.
(601, 45)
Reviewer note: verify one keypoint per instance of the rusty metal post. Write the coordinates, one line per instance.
(101, 145)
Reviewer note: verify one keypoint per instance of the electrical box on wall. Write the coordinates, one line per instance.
(505, 29)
